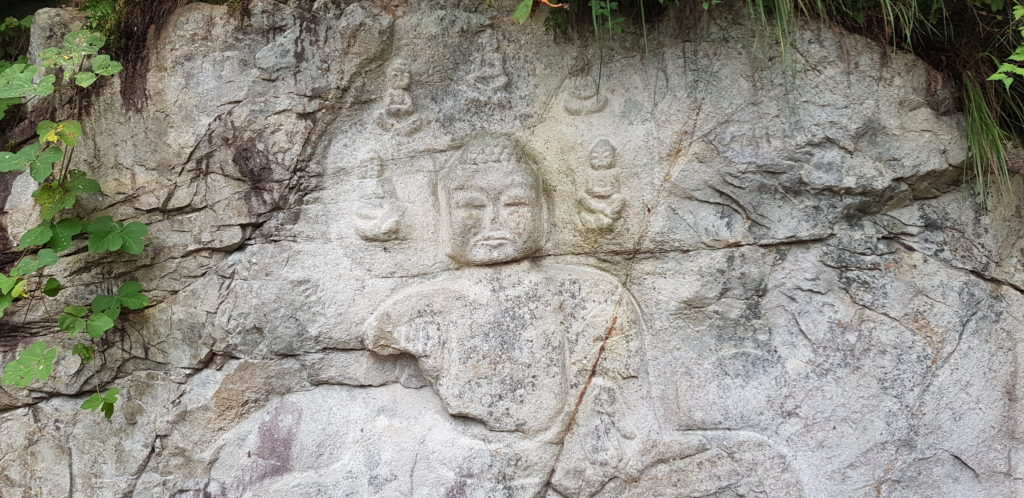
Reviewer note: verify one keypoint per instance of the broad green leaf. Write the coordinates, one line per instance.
(63, 231)
(93, 403)
(103, 66)
(6, 301)
(78, 183)
(45, 86)
(71, 324)
(98, 324)
(110, 396)
(83, 350)
(18, 291)
(16, 81)
(16, 161)
(107, 305)
(84, 41)
(36, 236)
(42, 166)
(65, 131)
(47, 131)
(53, 198)
(104, 234)
(6, 103)
(522, 11)
(11, 161)
(51, 57)
(29, 264)
(85, 78)
(128, 295)
(34, 363)
(7, 283)
(78, 311)
(52, 287)
(133, 233)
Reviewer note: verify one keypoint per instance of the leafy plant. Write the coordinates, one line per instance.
(1012, 67)
(47, 160)
(104, 402)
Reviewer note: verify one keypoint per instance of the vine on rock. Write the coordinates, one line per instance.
(48, 161)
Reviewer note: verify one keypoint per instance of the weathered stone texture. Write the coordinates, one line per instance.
(415, 250)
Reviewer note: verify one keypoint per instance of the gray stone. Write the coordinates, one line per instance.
(415, 250)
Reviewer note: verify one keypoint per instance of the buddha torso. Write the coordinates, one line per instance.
(508, 345)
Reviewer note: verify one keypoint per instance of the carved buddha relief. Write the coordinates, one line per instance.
(601, 203)
(552, 353)
(487, 79)
(584, 95)
(378, 213)
(399, 113)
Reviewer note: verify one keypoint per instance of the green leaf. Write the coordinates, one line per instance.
(77, 183)
(51, 57)
(98, 324)
(70, 324)
(107, 305)
(34, 363)
(94, 402)
(52, 287)
(45, 128)
(36, 236)
(128, 296)
(16, 80)
(42, 166)
(40, 171)
(6, 300)
(85, 78)
(45, 86)
(522, 11)
(84, 41)
(78, 311)
(53, 198)
(104, 234)
(65, 131)
(63, 231)
(7, 283)
(103, 66)
(84, 351)
(1018, 12)
(133, 233)
(30, 264)
(16, 161)
(6, 103)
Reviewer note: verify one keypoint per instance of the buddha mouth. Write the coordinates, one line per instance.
(494, 240)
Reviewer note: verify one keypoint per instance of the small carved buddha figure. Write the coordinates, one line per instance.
(488, 70)
(583, 97)
(399, 112)
(547, 351)
(378, 214)
(601, 203)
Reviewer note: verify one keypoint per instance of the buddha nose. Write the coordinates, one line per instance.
(492, 217)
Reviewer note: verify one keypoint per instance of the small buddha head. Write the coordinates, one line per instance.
(602, 154)
(492, 204)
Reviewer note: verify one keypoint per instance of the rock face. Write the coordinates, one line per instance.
(419, 251)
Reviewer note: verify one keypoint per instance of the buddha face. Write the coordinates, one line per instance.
(494, 212)
(602, 155)
(398, 75)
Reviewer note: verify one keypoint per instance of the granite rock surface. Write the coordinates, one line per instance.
(417, 250)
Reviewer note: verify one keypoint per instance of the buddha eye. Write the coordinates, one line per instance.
(470, 203)
(515, 202)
